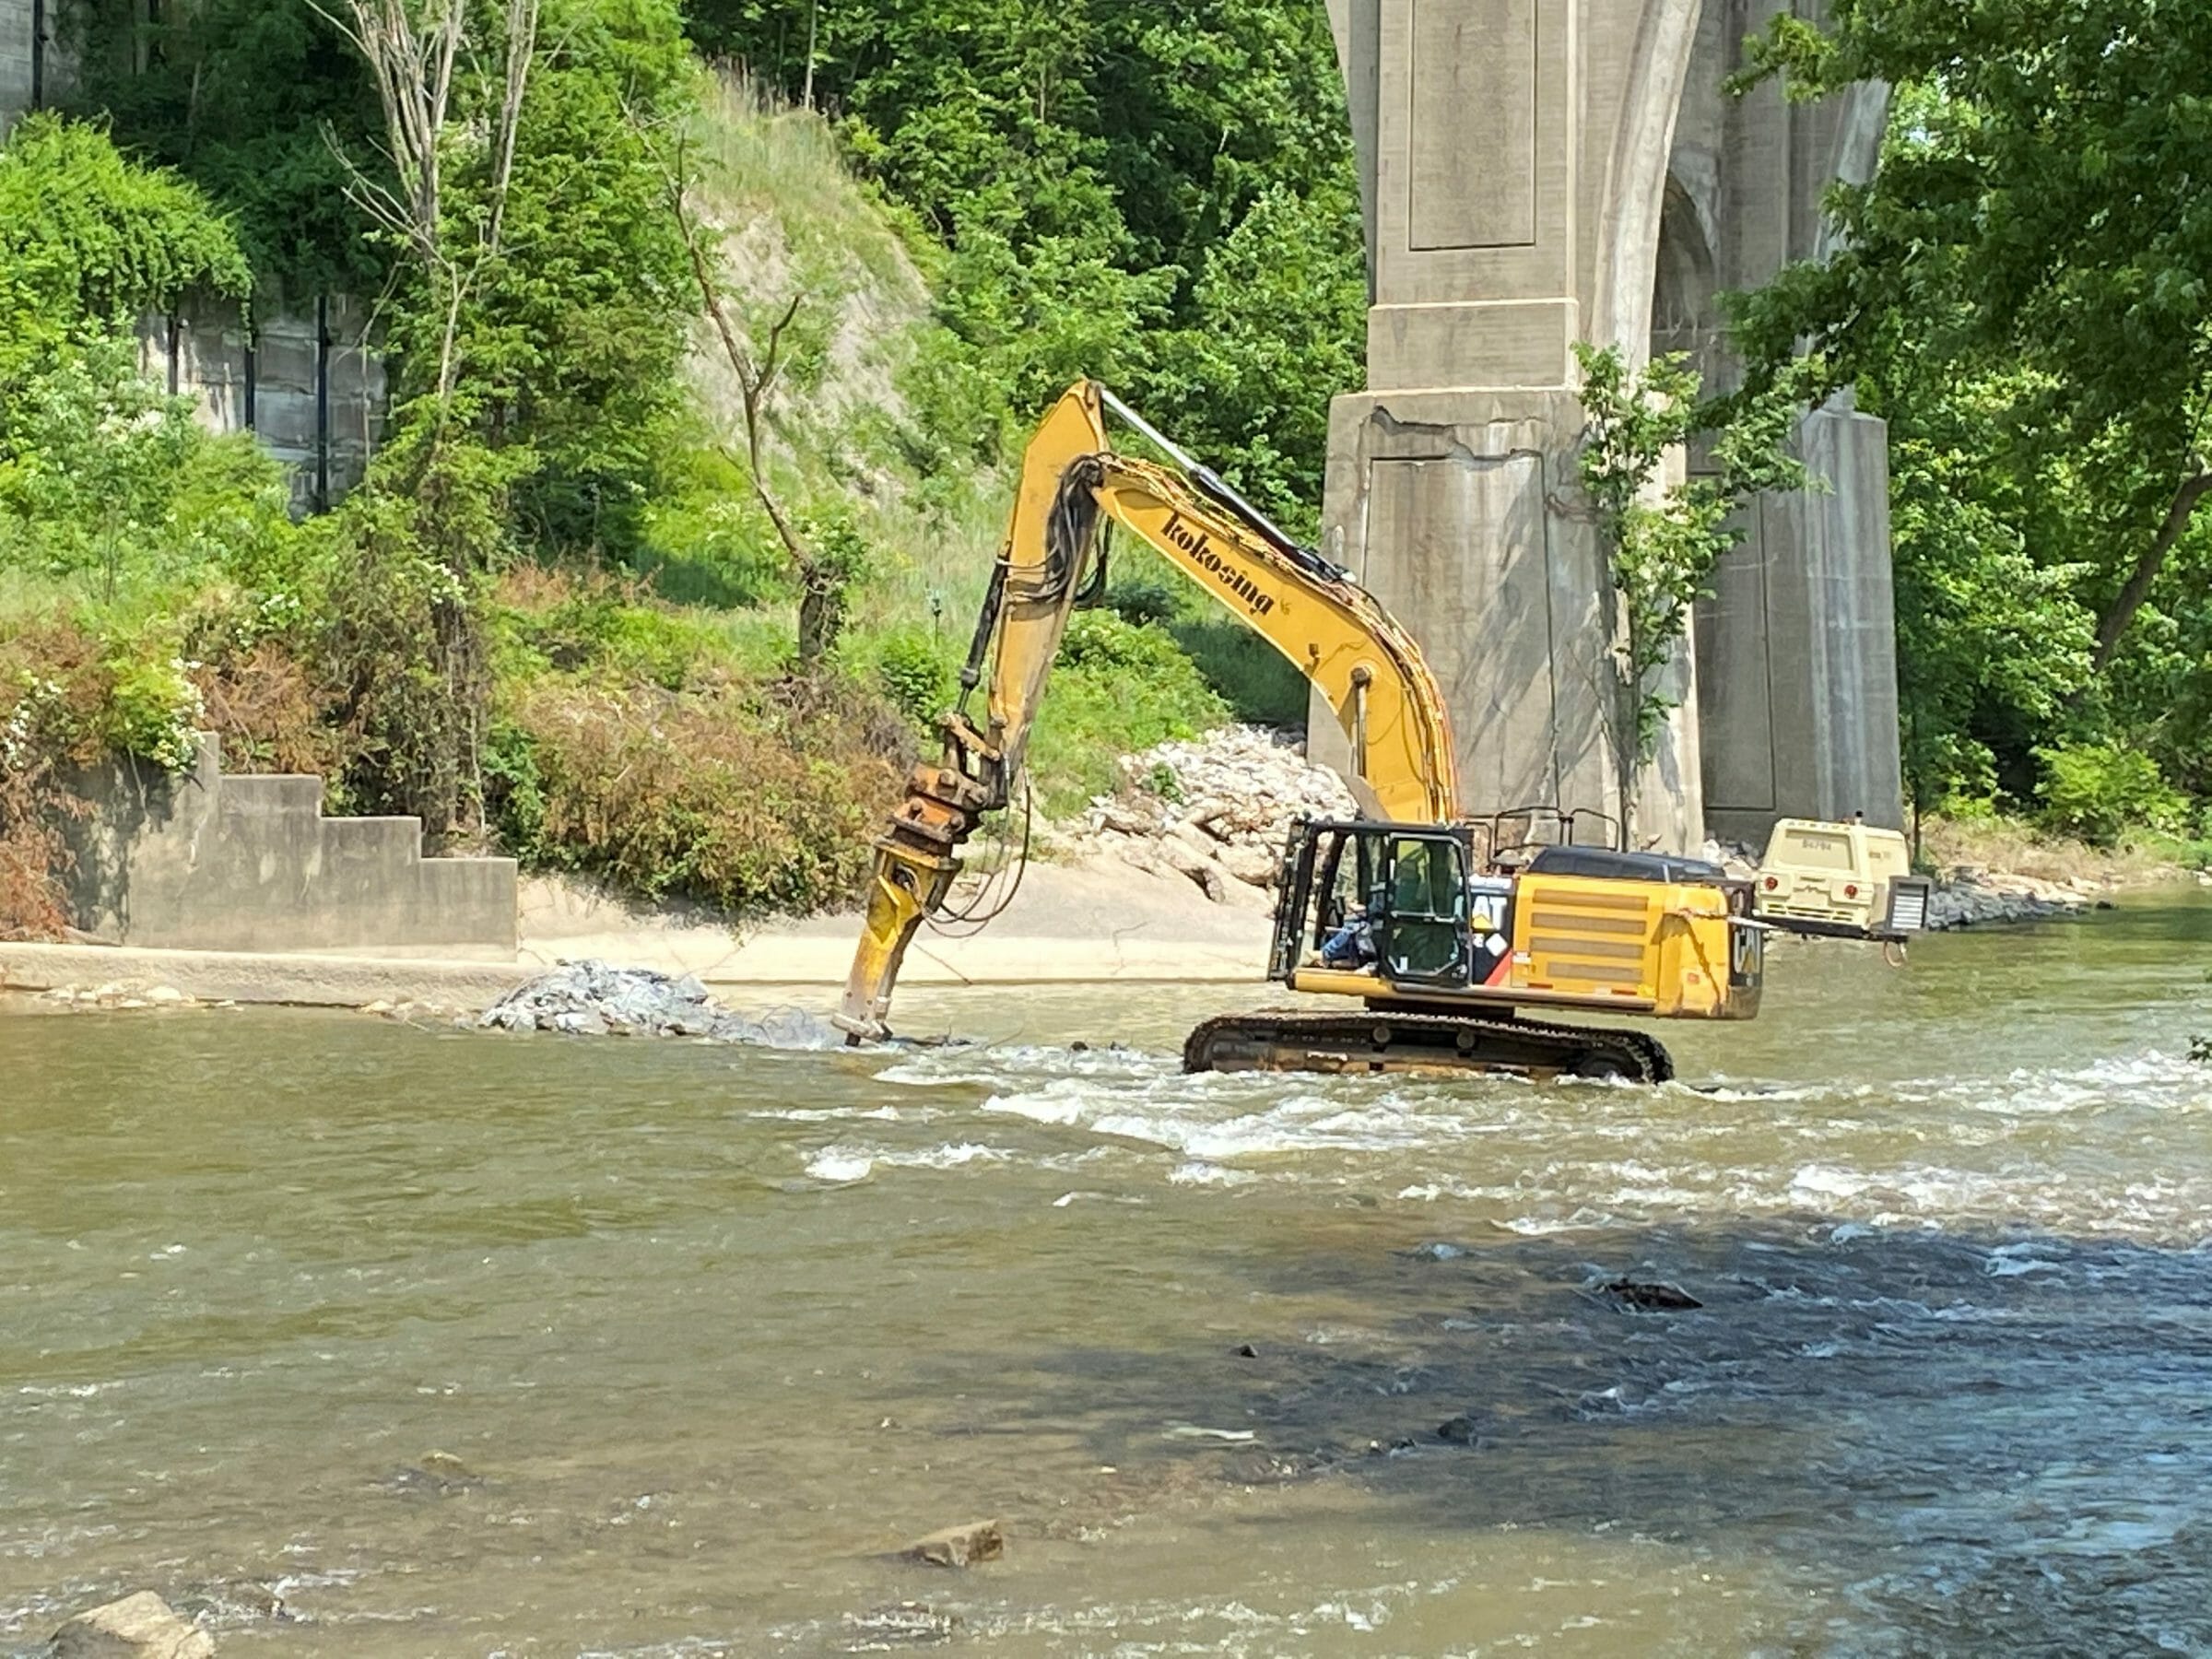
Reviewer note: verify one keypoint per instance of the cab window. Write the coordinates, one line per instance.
(1424, 935)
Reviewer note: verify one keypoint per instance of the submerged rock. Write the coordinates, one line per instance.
(1650, 1297)
(138, 1626)
(1437, 1251)
(439, 1475)
(595, 999)
(959, 1546)
(237, 1601)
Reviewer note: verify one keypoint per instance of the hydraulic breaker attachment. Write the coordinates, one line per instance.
(915, 862)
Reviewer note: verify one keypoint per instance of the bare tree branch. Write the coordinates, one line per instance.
(521, 51)
(756, 381)
(2112, 626)
(413, 49)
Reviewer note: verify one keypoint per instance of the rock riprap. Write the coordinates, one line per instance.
(1970, 897)
(1215, 811)
(597, 999)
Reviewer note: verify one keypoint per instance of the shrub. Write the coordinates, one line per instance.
(914, 677)
(261, 701)
(717, 795)
(1261, 686)
(33, 855)
(1103, 642)
(2099, 791)
(51, 689)
(153, 710)
(1143, 601)
(1120, 689)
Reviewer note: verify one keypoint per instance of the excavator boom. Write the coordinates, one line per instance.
(1367, 668)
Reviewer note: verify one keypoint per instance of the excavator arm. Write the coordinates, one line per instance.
(1366, 667)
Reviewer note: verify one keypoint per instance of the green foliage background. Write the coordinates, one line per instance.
(1159, 195)
(560, 579)
(2024, 291)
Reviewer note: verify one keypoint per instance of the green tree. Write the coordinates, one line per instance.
(1662, 541)
(1157, 195)
(242, 97)
(535, 323)
(2040, 207)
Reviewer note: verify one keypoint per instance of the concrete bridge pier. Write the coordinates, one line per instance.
(1539, 173)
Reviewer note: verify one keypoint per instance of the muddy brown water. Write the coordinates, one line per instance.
(464, 1344)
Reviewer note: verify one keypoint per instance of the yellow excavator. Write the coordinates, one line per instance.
(1448, 941)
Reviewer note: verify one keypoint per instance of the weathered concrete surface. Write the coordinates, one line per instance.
(21, 50)
(303, 381)
(1540, 172)
(307, 981)
(1807, 601)
(1510, 620)
(1797, 648)
(208, 862)
(1071, 923)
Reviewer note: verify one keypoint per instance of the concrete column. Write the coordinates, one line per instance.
(1541, 172)
(1514, 158)
(1797, 696)
(1799, 647)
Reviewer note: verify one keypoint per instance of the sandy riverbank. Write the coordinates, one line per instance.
(1097, 923)
(1096, 920)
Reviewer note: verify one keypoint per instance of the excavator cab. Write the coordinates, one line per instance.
(1406, 887)
(1420, 913)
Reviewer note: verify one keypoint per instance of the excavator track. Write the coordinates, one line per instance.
(1385, 1040)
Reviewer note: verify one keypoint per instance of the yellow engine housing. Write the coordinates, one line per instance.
(1661, 951)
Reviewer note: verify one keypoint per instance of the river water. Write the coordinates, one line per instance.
(367, 1339)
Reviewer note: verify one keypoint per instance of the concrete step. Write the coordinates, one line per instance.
(214, 862)
(272, 796)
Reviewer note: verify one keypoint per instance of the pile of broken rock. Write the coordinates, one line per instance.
(597, 999)
(1214, 811)
(1969, 896)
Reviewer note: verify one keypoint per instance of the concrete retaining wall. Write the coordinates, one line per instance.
(31, 70)
(305, 383)
(206, 862)
(304, 380)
